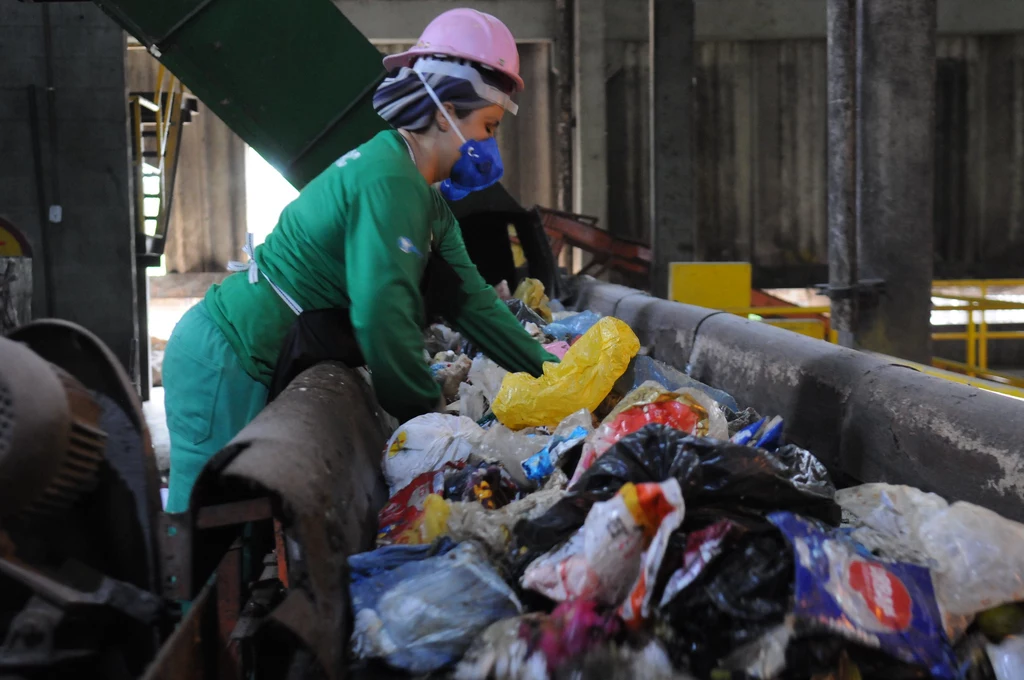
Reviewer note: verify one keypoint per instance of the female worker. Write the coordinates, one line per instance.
(358, 239)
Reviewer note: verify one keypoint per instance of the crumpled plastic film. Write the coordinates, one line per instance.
(978, 555)
(582, 380)
(689, 411)
(710, 473)
(572, 326)
(427, 613)
(602, 561)
(531, 292)
(492, 529)
(426, 443)
(485, 378)
(502, 445)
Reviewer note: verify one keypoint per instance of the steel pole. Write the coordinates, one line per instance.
(842, 164)
(673, 196)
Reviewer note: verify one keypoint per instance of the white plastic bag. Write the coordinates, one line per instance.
(485, 379)
(887, 518)
(426, 443)
(602, 560)
(1007, 658)
(978, 555)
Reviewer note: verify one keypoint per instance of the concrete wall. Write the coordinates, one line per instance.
(84, 266)
(761, 152)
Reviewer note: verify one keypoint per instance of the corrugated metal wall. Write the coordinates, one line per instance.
(761, 152)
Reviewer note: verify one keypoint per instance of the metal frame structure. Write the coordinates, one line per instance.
(158, 120)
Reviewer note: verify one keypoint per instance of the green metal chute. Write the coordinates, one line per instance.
(295, 80)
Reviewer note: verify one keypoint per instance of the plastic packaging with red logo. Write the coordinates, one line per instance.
(889, 606)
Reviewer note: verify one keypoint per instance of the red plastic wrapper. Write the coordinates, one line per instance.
(674, 414)
(399, 522)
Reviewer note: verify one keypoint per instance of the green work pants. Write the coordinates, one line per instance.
(208, 396)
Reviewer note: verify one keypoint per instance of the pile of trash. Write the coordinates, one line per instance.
(616, 518)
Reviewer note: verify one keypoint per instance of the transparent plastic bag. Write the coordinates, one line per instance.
(430, 611)
(582, 380)
(978, 557)
(602, 560)
(645, 369)
(485, 378)
(425, 444)
(502, 445)
(572, 326)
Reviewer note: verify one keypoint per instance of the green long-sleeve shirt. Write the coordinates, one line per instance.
(357, 237)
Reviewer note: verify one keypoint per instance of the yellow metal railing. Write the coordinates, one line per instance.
(976, 335)
(155, 162)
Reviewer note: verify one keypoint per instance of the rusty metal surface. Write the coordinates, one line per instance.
(174, 537)
(316, 448)
(186, 654)
(227, 514)
(229, 607)
(35, 426)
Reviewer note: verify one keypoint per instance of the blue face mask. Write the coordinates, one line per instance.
(479, 165)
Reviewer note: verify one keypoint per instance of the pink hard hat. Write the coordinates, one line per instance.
(466, 34)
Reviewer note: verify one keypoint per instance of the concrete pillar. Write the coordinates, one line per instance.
(590, 169)
(896, 149)
(74, 60)
(673, 209)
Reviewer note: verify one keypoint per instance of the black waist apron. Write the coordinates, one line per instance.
(328, 335)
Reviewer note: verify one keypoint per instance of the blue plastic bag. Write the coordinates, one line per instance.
(423, 615)
(367, 564)
(572, 327)
(542, 464)
(889, 606)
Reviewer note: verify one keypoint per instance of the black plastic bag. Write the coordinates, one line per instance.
(524, 313)
(710, 472)
(743, 590)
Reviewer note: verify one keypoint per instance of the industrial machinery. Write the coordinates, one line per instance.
(78, 504)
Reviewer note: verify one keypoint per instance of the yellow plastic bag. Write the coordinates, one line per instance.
(583, 379)
(531, 292)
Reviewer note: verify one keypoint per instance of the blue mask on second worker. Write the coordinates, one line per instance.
(479, 166)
